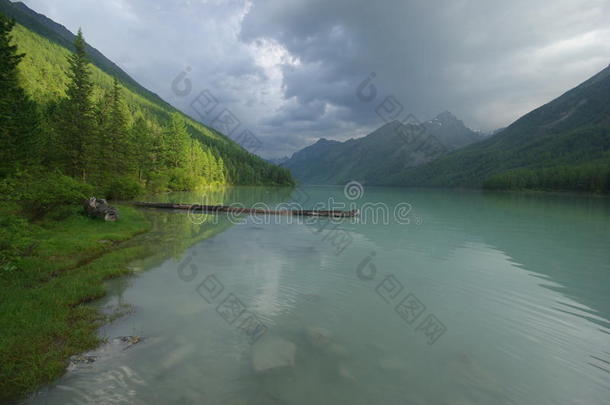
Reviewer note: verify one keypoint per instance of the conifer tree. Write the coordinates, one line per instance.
(114, 144)
(145, 148)
(177, 141)
(77, 115)
(18, 114)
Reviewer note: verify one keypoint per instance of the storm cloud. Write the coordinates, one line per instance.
(289, 70)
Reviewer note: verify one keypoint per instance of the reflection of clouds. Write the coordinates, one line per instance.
(288, 270)
(267, 301)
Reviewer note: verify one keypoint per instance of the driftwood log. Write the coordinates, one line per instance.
(99, 208)
(238, 210)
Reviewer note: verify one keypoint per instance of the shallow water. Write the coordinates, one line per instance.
(504, 299)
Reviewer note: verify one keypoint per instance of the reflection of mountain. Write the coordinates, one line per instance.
(564, 239)
(572, 232)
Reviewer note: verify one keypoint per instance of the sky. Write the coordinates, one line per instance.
(294, 71)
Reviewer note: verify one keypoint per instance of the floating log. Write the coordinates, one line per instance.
(239, 210)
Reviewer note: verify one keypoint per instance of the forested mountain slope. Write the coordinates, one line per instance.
(43, 75)
(563, 145)
(60, 35)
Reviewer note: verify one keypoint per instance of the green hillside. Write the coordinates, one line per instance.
(563, 145)
(60, 35)
(42, 72)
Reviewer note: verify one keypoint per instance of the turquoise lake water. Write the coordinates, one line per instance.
(454, 298)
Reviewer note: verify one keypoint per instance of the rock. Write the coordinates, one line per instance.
(337, 350)
(375, 348)
(83, 359)
(127, 341)
(99, 208)
(130, 339)
(345, 372)
(473, 374)
(391, 365)
(272, 352)
(311, 297)
(318, 337)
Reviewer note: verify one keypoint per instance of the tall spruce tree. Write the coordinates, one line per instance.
(77, 115)
(143, 147)
(18, 113)
(177, 140)
(114, 143)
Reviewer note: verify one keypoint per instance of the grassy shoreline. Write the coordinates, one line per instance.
(43, 319)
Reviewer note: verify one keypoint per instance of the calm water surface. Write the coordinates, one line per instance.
(480, 299)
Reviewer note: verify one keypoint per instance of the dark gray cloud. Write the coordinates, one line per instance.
(289, 69)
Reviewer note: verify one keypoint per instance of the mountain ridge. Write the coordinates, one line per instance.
(571, 129)
(393, 146)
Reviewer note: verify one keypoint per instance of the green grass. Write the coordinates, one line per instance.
(60, 266)
(43, 319)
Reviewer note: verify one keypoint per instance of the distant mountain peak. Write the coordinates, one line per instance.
(323, 141)
(571, 130)
(385, 151)
(447, 117)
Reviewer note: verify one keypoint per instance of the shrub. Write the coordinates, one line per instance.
(157, 182)
(181, 180)
(38, 193)
(124, 188)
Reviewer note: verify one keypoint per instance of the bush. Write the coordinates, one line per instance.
(157, 182)
(124, 188)
(181, 180)
(41, 192)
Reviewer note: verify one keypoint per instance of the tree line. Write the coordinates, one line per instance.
(590, 177)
